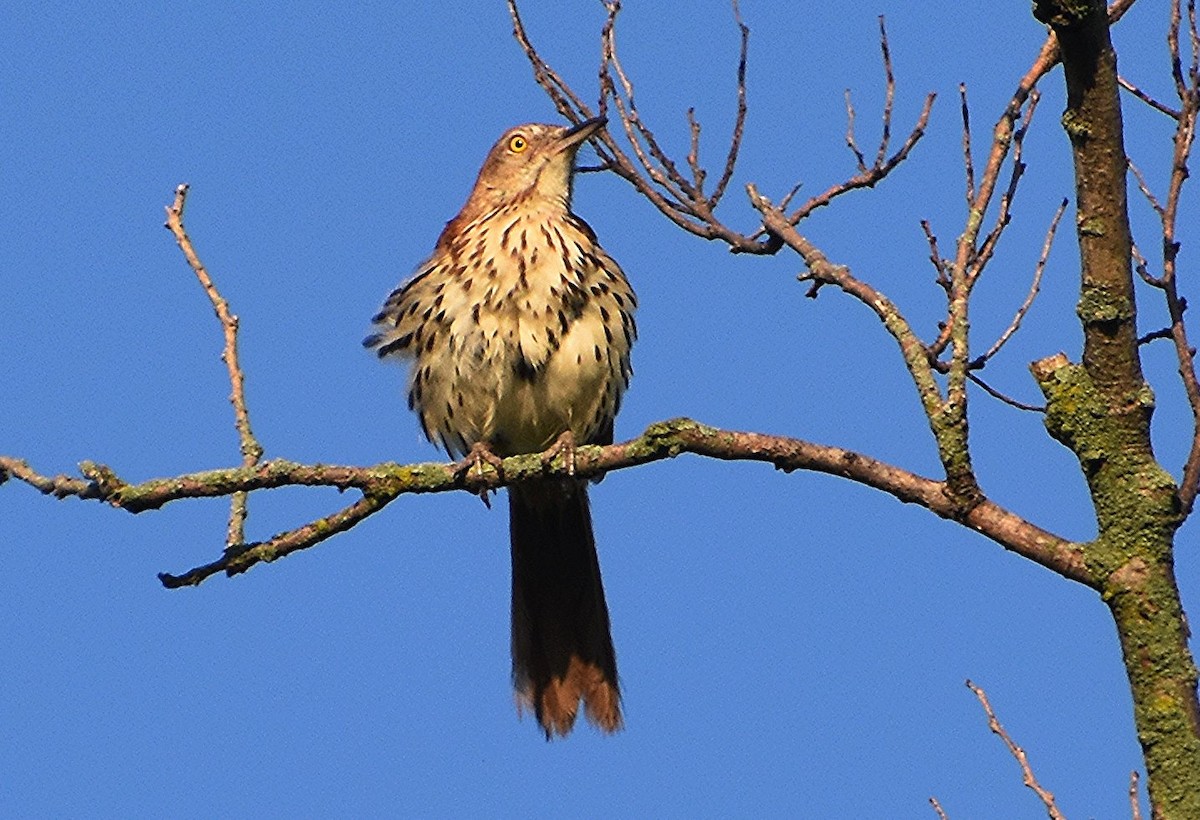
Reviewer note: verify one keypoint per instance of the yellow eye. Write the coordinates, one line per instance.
(517, 144)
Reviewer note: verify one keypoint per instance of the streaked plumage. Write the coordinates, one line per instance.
(519, 328)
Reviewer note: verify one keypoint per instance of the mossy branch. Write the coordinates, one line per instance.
(382, 483)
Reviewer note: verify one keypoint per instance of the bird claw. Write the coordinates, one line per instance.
(563, 446)
(479, 454)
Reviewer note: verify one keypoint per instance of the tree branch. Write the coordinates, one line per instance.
(1004, 134)
(252, 451)
(1188, 89)
(1018, 754)
(1034, 286)
(382, 483)
(1135, 806)
(239, 557)
(945, 414)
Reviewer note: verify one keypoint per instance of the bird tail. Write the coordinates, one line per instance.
(561, 644)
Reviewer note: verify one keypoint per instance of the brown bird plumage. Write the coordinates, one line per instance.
(518, 330)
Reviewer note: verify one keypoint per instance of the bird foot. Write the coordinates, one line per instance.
(480, 454)
(563, 446)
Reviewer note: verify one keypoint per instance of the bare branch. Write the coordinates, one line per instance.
(946, 422)
(966, 256)
(60, 486)
(937, 807)
(890, 95)
(1181, 85)
(1015, 324)
(240, 557)
(381, 483)
(654, 174)
(787, 199)
(650, 171)
(1135, 806)
(935, 256)
(1117, 9)
(1161, 333)
(251, 450)
(968, 160)
(996, 394)
(693, 157)
(1147, 99)
(1018, 753)
(564, 99)
(1144, 187)
(988, 249)
(739, 123)
(1194, 39)
(851, 141)
(1188, 89)
(1141, 266)
(665, 174)
(871, 176)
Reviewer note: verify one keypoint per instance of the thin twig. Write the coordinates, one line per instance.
(666, 174)
(1142, 266)
(739, 121)
(872, 176)
(1194, 38)
(890, 94)
(851, 142)
(1181, 85)
(988, 248)
(884, 164)
(60, 486)
(693, 157)
(937, 807)
(652, 172)
(677, 198)
(1144, 187)
(1161, 333)
(1188, 90)
(1018, 753)
(1147, 99)
(935, 255)
(1135, 805)
(240, 557)
(1002, 140)
(1038, 270)
(1009, 400)
(564, 98)
(789, 196)
(251, 450)
(968, 160)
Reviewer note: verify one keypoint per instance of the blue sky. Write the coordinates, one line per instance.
(789, 644)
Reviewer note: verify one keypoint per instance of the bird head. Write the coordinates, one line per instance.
(532, 161)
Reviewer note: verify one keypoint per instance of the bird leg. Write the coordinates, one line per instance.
(480, 453)
(563, 446)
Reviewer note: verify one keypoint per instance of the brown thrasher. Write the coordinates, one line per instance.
(519, 329)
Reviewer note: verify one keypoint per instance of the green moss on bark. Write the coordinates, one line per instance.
(1137, 512)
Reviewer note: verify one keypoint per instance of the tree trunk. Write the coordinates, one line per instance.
(1101, 410)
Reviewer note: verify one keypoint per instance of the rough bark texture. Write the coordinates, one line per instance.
(1101, 410)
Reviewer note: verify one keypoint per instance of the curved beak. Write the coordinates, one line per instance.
(583, 131)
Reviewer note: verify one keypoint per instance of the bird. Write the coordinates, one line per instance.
(517, 331)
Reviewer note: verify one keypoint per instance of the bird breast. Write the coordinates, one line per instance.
(520, 328)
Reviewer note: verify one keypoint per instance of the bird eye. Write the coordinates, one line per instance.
(517, 144)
